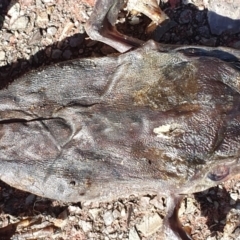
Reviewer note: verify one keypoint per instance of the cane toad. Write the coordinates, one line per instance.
(160, 119)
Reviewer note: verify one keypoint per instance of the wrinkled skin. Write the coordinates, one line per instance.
(157, 120)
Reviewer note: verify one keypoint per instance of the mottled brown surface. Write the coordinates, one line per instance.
(208, 209)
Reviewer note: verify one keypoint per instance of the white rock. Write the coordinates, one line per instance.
(158, 203)
(116, 214)
(86, 226)
(14, 10)
(108, 218)
(2, 55)
(234, 196)
(133, 235)
(150, 224)
(42, 19)
(74, 210)
(95, 212)
(144, 201)
(20, 23)
(52, 30)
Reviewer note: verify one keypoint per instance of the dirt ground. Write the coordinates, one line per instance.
(35, 33)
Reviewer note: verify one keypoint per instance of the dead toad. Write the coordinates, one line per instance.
(156, 120)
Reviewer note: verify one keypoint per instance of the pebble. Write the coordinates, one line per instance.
(67, 54)
(95, 213)
(144, 201)
(123, 212)
(236, 45)
(2, 55)
(234, 196)
(51, 30)
(200, 17)
(116, 214)
(20, 24)
(185, 16)
(74, 210)
(14, 10)
(134, 20)
(204, 31)
(108, 218)
(158, 203)
(31, 197)
(86, 226)
(133, 235)
(42, 19)
(56, 53)
(76, 40)
(150, 224)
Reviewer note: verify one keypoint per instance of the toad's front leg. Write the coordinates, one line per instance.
(101, 24)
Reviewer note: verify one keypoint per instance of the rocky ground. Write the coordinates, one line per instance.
(34, 33)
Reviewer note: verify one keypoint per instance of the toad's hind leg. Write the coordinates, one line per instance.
(101, 24)
(172, 226)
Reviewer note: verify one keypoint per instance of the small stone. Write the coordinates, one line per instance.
(63, 215)
(31, 197)
(133, 235)
(199, 17)
(74, 210)
(232, 202)
(76, 40)
(59, 223)
(236, 45)
(2, 55)
(123, 212)
(56, 53)
(158, 203)
(95, 213)
(42, 19)
(86, 226)
(134, 20)
(20, 23)
(14, 10)
(67, 54)
(185, 16)
(144, 201)
(52, 30)
(108, 218)
(204, 31)
(150, 224)
(36, 37)
(234, 196)
(116, 214)
(237, 206)
(216, 204)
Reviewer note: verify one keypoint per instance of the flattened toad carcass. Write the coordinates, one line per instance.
(156, 120)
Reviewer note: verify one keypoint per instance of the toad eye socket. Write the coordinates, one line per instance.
(219, 173)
